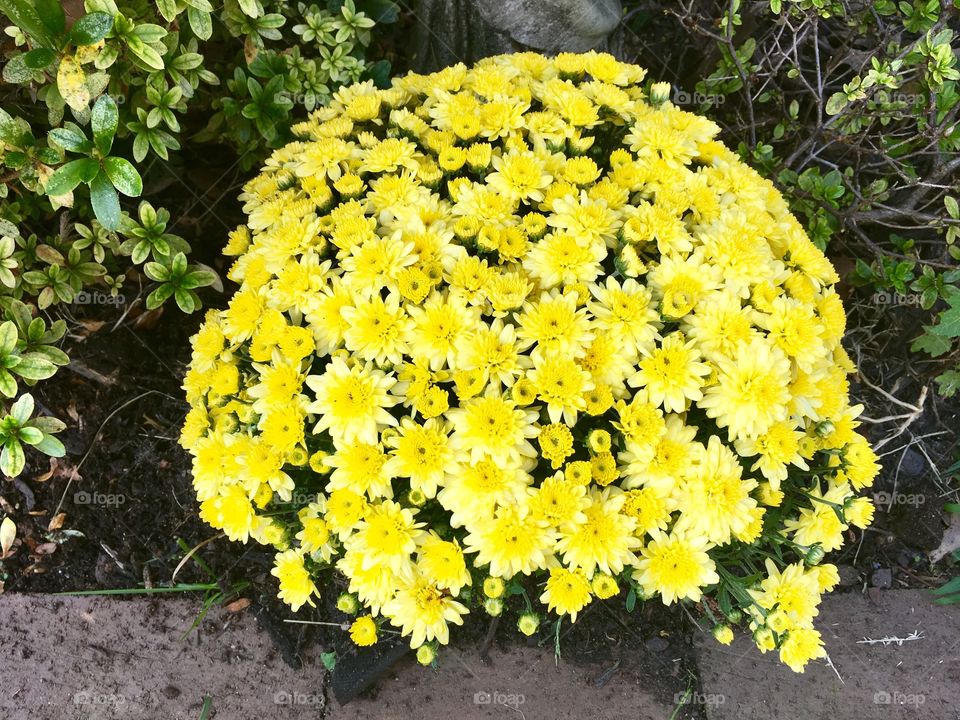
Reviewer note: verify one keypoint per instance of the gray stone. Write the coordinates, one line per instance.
(868, 680)
(452, 31)
(882, 578)
(849, 575)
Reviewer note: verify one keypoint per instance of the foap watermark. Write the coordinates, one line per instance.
(895, 697)
(885, 298)
(95, 297)
(512, 700)
(90, 697)
(691, 697)
(682, 97)
(285, 697)
(889, 499)
(83, 497)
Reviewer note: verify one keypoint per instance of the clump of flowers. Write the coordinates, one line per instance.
(522, 337)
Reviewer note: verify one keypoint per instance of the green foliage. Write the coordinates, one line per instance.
(18, 428)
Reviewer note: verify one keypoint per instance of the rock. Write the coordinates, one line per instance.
(882, 578)
(849, 575)
(657, 644)
(451, 31)
(913, 464)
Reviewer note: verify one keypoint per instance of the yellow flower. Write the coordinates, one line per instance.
(363, 631)
(296, 586)
(604, 586)
(567, 592)
(422, 611)
(676, 566)
(352, 401)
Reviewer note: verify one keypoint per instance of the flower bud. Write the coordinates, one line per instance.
(348, 603)
(528, 623)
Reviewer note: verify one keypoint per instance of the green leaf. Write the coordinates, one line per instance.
(198, 278)
(156, 271)
(948, 383)
(22, 409)
(9, 129)
(150, 33)
(329, 660)
(51, 446)
(168, 9)
(24, 16)
(91, 28)
(933, 345)
(52, 16)
(249, 7)
(48, 424)
(200, 23)
(68, 176)
(159, 296)
(106, 203)
(8, 384)
(70, 139)
(837, 102)
(16, 71)
(12, 459)
(30, 435)
(146, 54)
(35, 367)
(949, 320)
(123, 175)
(953, 209)
(948, 588)
(8, 338)
(103, 121)
(186, 300)
(39, 58)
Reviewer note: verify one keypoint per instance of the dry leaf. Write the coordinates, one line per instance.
(47, 548)
(8, 533)
(238, 605)
(56, 522)
(49, 474)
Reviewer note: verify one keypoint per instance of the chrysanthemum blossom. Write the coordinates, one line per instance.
(528, 324)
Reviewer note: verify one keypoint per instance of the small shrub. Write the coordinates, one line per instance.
(513, 338)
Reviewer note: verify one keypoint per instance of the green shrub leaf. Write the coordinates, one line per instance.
(39, 58)
(12, 459)
(68, 176)
(106, 203)
(123, 175)
(91, 28)
(103, 122)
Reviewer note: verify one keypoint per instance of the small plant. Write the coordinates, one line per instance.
(549, 342)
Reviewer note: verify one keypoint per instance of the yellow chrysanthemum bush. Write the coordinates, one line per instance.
(521, 337)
